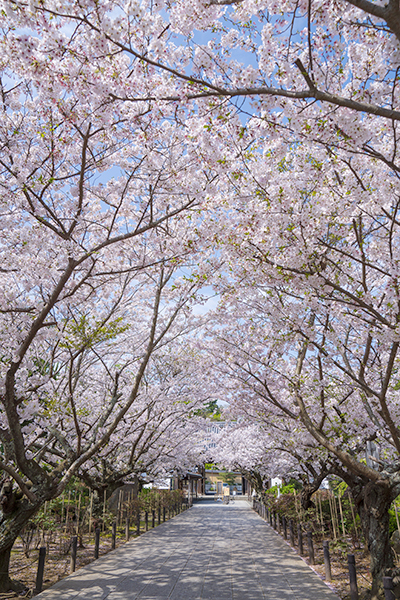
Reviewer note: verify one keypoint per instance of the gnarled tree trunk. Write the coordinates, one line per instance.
(11, 525)
(15, 512)
(373, 501)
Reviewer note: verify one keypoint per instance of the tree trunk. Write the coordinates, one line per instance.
(373, 502)
(11, 525)
(306, 493)
(5, 582)
(310, 487)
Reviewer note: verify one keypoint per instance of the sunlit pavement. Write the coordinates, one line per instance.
(210, 552)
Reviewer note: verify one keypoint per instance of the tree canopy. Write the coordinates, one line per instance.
(154, 151)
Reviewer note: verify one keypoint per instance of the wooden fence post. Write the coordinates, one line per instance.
(40, 569)
(300, 539)
(291, 532)
(388, 588)
(353, 577)
(138, 522)
(310, 548)
(127, 530)
(96, 542)
(327, 561)
(74, 548)
(113, 535)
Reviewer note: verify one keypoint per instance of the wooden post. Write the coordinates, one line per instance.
(119, 509)
(327, 561)
(159, 515)
(62, 508)
(295, 504)
(388, 588)
(322, 514)
(104, 509)
(127, 532)
(74, 548)
(291, 532)
(316, 508)
(310, 546)
(341, 516)
(300, 539)
(153, 518)
(336, 514)
(353, 577)
(284, 527)
(113, 535)
(40, 569)
(163, 514)
(67, 511)
(332, 517)
(97, 542)
(146, 521)
(138, 522)
(78, 516)
(90, 514)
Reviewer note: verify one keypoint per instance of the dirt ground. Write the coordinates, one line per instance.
(339, 570)
(57, 565)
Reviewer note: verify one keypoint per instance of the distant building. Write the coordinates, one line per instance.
(191, 482)
(217, 479)
(213, 429)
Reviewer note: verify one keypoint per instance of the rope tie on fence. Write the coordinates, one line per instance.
(368, 580)
(12, 571)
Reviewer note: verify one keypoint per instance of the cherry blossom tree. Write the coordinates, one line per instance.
(121, 121)
(317, 379)
(161, 433)
(236, 74)
(85, 399)
(99, 216)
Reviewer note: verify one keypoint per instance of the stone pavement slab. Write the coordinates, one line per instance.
(210, 552)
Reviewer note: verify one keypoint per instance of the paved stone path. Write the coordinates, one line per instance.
(211, 552)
